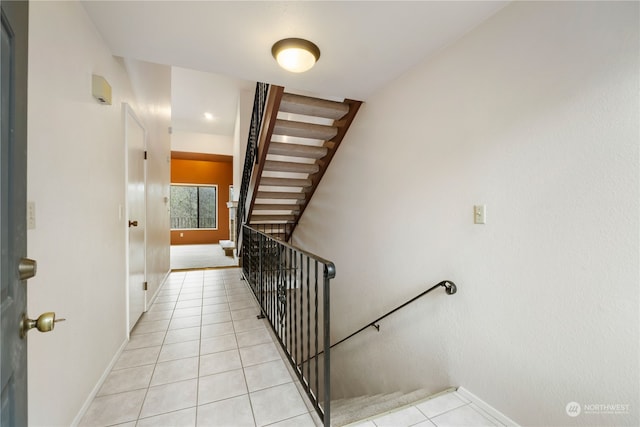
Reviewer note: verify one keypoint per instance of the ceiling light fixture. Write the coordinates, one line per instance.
(208, 116)
(295, 55)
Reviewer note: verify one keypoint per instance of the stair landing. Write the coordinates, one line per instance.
(450, 408)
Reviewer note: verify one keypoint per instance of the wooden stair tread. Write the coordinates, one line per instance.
(285, 182)
(297, 150)
(304, 130)
(308, 106)
(278, 166)
(275, 207)
(270, 217)
(280, 195)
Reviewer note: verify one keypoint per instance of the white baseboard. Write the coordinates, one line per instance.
(155, 295)
(486, 407)
(101, 381)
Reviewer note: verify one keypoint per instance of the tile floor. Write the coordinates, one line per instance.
(446, 410)
(200, 357)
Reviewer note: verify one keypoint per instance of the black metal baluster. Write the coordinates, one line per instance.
(300, 329)
(315, 358)
(289, 296)
(308, 325)
(295, 309)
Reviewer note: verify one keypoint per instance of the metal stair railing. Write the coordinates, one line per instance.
(251, 156)
(292, 288)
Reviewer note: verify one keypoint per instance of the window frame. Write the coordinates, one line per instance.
(217, 218)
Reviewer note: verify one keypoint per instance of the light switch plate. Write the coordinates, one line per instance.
(31, 215)
(480, 214)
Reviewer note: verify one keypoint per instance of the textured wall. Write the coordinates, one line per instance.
(535, 114)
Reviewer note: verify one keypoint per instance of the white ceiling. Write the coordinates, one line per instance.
(364, 44)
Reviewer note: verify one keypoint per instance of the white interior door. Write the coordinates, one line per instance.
(136, 215)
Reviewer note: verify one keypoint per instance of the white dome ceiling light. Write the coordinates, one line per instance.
(295, 55)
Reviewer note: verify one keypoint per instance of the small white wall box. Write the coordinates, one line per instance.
(100, 89)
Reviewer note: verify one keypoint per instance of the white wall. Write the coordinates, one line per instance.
(195, 142)
(535, 114)
(76, 178)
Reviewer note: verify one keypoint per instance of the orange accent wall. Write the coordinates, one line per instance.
(204, 172)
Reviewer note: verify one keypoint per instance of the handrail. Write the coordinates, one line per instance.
(450, 289)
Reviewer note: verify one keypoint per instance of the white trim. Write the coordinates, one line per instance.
(96, 389)
(129, 113)
(155, 295)
(486, 407)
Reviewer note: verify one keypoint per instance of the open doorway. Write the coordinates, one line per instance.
(200, 217)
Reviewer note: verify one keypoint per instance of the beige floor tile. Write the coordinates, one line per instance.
(189, 303)
(260, 353)
(440, 404)
(175, 370)
(216, 329)
(253, 337)
(181, 350)
(169, 397)
(185, 322)
(155, 315)
(145, 340)
(214, 300)
(234, 412)
(182, 418)
(150, 326)
(222, 317)
(267, 375)
(243, 325)
(128, 379)
(174, 336)
(403, 418)
(221, 386)
(245, 313)
(217, 344)
(113, 409)
(186, 312)
(137, 357)
(219, 362)
(303, 420)
(277, 404)
(215, 308)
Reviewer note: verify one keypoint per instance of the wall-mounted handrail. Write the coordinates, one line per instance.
(450, 289)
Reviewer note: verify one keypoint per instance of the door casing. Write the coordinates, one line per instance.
(136, 237)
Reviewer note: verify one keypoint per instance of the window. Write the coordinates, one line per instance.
(194, 206)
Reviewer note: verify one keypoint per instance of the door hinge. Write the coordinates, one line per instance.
(145, 285)
(145, 155)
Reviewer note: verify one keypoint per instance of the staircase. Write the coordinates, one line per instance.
(298, 138)
(352, 410)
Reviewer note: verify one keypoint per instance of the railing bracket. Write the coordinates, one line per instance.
(377, 326)
(449, 287)
(261, 316)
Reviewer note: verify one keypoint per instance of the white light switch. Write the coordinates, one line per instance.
(31, 215)
(479, 214)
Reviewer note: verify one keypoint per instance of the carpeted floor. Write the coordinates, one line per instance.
(200, 256)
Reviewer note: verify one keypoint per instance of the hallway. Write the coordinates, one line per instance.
(200, 357)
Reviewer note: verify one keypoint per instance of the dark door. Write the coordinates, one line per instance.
(13, 194)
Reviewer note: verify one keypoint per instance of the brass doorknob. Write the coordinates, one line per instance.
(44, 323)
(133, 223)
